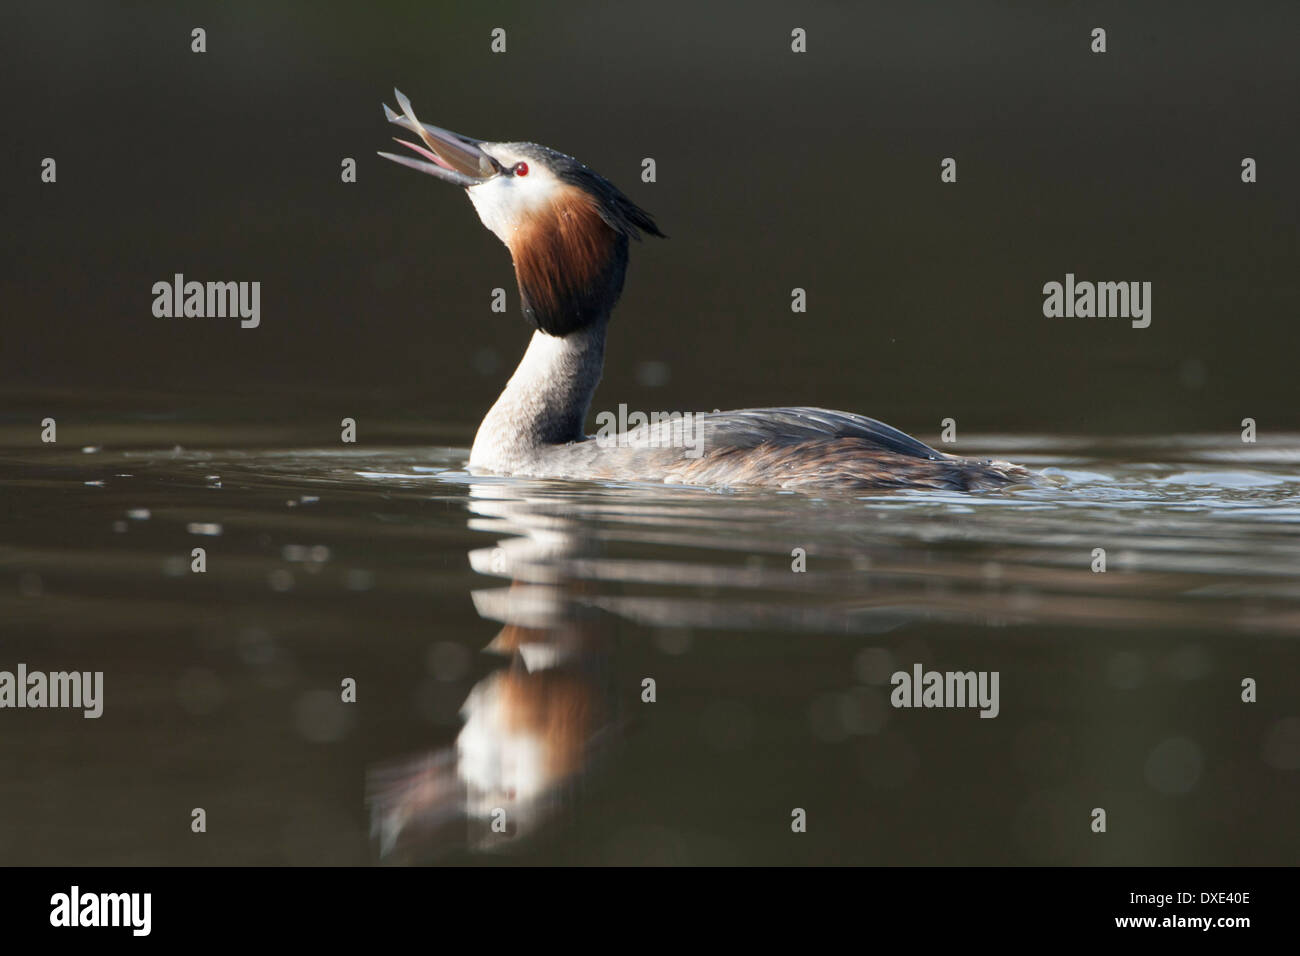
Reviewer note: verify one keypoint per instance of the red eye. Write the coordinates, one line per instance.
(521, 169)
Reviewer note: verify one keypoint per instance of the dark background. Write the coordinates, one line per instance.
(775, 170)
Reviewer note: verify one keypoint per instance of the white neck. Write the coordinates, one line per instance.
(545, 402)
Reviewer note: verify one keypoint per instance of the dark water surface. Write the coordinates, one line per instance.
(499, 633)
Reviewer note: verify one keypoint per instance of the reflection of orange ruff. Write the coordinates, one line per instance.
(553, 707)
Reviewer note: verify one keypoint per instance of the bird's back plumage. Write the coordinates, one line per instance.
(790, 448)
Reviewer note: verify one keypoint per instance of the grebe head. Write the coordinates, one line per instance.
(567, 228)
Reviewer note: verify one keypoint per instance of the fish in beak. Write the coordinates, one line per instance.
(452, 157)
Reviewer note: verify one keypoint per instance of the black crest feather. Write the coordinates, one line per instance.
(619, 212)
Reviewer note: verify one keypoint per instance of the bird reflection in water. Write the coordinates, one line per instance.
(534, 727)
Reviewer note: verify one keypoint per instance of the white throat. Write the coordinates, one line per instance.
(545, 402)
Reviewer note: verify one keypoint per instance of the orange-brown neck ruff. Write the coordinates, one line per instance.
(569, 263)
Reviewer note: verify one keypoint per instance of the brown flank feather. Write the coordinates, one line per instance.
(835, 464)
(849, 464)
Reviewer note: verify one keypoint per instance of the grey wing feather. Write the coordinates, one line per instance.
(751, 427)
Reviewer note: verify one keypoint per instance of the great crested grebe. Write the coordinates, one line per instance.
(567, 229)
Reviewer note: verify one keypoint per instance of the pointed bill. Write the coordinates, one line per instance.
(456, 159)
